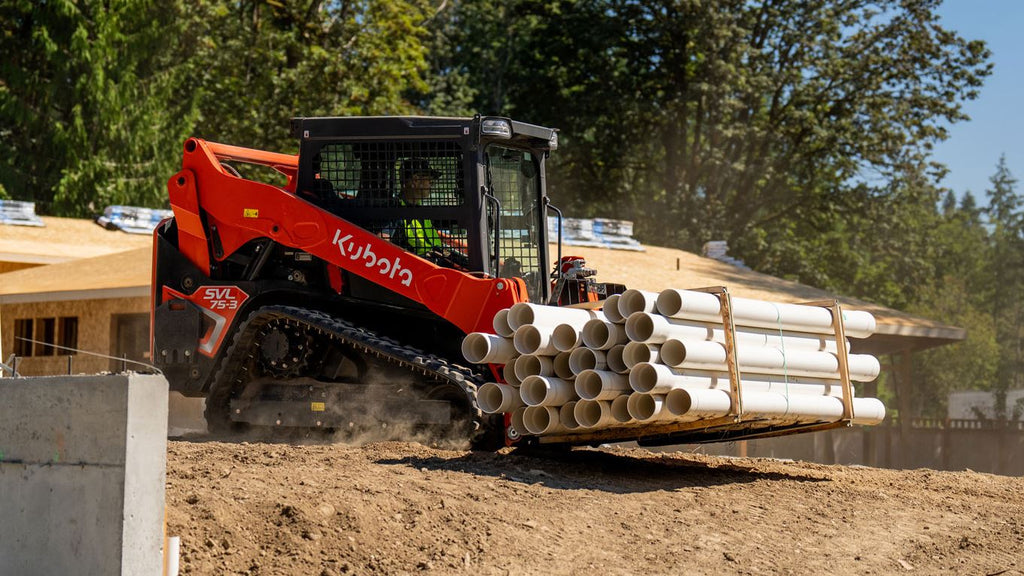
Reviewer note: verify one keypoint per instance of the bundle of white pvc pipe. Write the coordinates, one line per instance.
(651, 357)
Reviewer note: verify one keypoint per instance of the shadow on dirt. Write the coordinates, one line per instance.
(601, 470)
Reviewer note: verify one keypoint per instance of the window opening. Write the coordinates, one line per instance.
(67, 334)
(23, 332)
(46, 332)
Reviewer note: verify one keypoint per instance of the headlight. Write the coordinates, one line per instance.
(499, 128)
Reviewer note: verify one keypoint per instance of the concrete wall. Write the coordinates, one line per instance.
(82, 474)
(94, 332)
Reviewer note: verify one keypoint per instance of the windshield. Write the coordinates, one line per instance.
(514, 180)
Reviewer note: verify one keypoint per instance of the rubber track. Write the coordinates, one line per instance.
(232, 371)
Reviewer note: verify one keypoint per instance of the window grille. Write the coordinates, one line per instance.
(352, 177)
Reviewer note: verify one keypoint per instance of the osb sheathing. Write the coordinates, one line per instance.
(94, 332)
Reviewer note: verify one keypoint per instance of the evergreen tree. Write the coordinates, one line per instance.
(1006, 221)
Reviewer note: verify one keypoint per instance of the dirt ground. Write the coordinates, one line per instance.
(404, 508)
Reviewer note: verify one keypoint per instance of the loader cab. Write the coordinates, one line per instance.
(486, 202)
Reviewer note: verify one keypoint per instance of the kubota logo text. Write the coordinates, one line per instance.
(384, 266)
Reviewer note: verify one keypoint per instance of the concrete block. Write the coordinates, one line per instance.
(82, 474)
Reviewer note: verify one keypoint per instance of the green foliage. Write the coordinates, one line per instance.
(255, 64)
(87, 109)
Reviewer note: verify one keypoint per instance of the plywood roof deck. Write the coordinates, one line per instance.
(122, 274)
(64, 239)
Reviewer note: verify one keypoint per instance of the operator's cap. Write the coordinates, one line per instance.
(413, 166)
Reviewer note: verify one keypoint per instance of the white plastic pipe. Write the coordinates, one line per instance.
(518, 420)
(562, 369)
(525, 313)
(546, 391)
(620, 409)
(648, 378)
(533, 365)
(565, 337)
(633, 300)
(602, 334)
(601, 385)
(614, 359)
(637, 352)
(500, 323)
(656, 329)
(687, 304)
(648, 407)
(567, 416)
(508, 372)
(695, 403)
(482, 348)
(173, 555)
(801, 408)
(611, 310)
(493, 398)
(542, 420)
(532, 339)
(594, 414)
(705, 355)
(582, 359)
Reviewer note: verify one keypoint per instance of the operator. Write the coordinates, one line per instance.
(417, 178)
(419, 235)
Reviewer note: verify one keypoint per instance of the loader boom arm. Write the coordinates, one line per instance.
(218, 212)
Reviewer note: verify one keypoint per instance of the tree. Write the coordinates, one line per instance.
(759, 123)
(88, 111)
(256, 64)
(1006, 221)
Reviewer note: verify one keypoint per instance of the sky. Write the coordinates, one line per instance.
(997, 115)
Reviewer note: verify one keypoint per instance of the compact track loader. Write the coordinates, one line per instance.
(340, 296)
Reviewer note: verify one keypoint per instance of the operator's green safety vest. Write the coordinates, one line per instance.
(421, 236)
